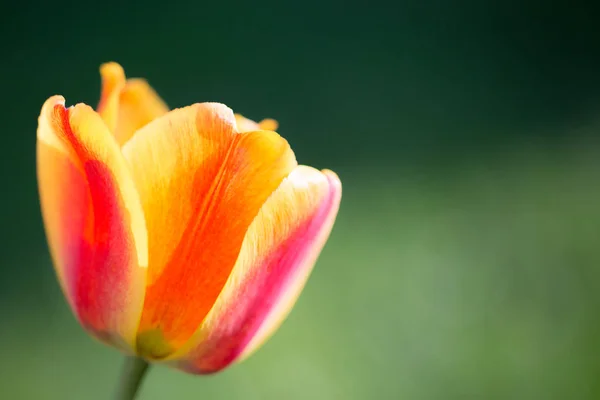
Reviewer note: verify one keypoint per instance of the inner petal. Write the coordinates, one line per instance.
(126, 105)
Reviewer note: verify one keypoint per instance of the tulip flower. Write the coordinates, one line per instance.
(182, 236)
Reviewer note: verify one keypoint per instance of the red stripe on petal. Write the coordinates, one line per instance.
(101, 284)
(261, 292)
(93, 220)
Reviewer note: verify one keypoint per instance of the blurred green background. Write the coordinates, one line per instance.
(465, 260)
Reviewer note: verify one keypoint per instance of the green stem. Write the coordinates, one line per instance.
(132, 375)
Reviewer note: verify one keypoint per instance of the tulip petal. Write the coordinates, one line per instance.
(201, 184)
(93, 220)
(247, 125)
(127, 105)
(277, 256)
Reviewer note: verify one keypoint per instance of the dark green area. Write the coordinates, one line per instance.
(465, 260)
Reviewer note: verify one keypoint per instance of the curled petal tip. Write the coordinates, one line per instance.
(113, 80)
(56, 99)
(334, 179)
(111, 69)
(209, 114)
(49, 117)
(51, 103)
(218, 108)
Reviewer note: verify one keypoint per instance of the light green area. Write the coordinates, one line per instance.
(476, 283)
(152, 344)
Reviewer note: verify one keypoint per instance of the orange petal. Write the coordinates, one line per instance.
(201, 185)
(93, 220)
(277, 256)
(247, 125)
(127, 105)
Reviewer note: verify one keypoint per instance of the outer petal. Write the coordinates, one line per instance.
(93, 220)
(201, 185)
(247, 125)
(127, 105)
(278, 254)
